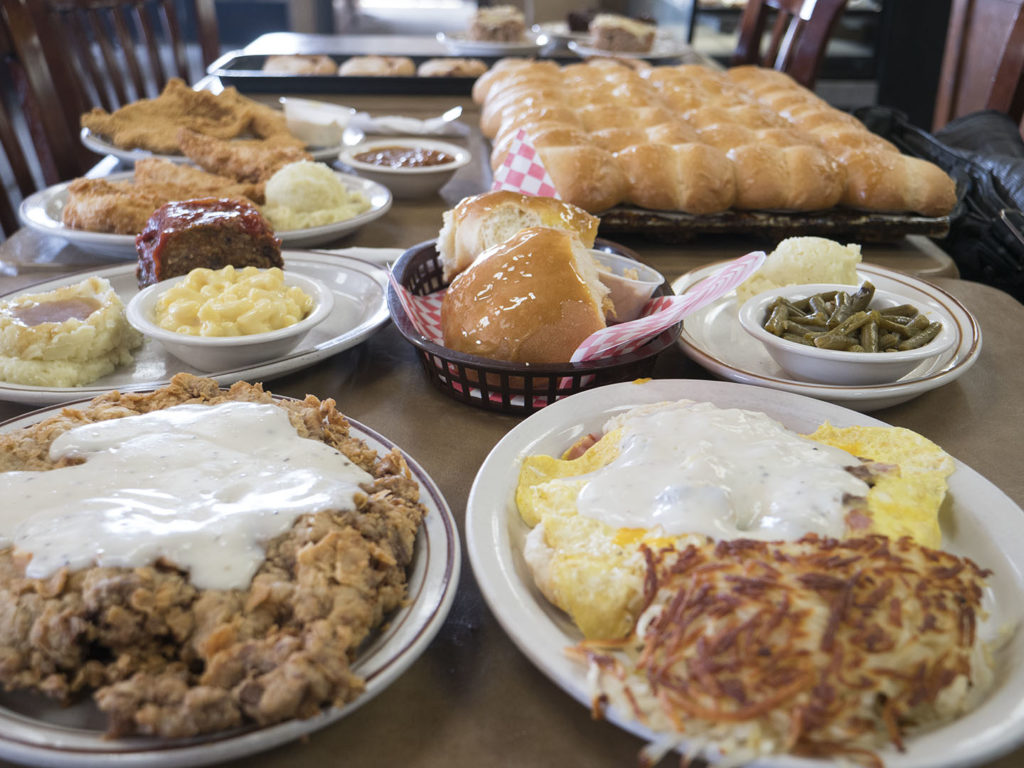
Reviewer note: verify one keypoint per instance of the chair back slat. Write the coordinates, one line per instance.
(983, 61)
(1008, 84)
(122, 19)
(799, 35)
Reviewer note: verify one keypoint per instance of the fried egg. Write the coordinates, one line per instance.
(676, 473)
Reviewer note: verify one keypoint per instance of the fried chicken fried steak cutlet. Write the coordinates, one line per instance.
(154, 124)
(743, 586)
(254, 620)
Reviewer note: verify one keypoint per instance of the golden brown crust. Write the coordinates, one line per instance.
(742, 111)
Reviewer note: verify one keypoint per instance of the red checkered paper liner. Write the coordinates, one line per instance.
(523, 171)
(424, 311)
(663, 312)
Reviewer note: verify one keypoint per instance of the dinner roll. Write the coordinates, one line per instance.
(799, 178)
(586, 176)
(695, 178)
(543, 135)
(385, 66)
(442, 67)
(300, 64)
(482, 221)
(886, 181)
(530, 299)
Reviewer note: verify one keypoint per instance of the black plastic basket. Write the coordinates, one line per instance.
(514, 388)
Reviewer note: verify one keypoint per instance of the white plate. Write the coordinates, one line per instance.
(101, 145)
(458, 44)
(665, 47)
(43, 212)
(37, 731)
(986, 526)
(360, 308)
(714, 338)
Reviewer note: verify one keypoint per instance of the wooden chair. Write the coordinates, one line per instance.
(983, 63)
(38, 151)
(800, 32)
(104, 53)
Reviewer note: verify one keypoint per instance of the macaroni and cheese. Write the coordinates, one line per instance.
(231, 302)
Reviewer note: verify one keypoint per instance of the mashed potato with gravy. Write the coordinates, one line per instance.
(798, 260)
(306, 194)
(67, 337)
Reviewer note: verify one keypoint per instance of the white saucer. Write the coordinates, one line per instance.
(714, 339)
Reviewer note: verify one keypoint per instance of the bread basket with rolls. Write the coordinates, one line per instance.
(499, 385)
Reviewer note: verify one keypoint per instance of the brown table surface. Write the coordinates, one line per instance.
(472, 698)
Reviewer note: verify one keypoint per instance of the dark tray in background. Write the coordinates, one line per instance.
(245, 72)
(673, 226)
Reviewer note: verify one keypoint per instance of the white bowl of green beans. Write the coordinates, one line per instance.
(843, 334)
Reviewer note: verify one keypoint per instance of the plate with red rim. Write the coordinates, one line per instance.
(43, 212)
(360, 309)
(714, 338)
(39, 731)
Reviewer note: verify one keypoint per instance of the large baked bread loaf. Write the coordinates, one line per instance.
(691, 139)
(483, 221)
(531, 299)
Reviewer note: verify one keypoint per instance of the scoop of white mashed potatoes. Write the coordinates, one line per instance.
(305, 194)
(799, 260)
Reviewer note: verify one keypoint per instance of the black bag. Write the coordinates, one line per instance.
(984, 154)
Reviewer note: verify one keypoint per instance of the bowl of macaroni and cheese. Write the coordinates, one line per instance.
(229, 318)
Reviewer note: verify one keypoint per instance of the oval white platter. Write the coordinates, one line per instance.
(459, 44)
(980, 522)
(43, 213)
(664, 47)
(714, 338)
(360, 308)
(101, 145)
(37, 731)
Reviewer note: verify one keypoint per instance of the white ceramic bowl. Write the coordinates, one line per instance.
(831, 366)
(628, 294)
(407, 182)
(224, 353)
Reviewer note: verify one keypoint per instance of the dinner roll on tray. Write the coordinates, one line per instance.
(530, 299)
(687, 138)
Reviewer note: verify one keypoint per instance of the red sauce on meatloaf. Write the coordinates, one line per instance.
(205, 232)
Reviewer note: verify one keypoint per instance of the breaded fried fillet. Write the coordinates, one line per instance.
(247, 160)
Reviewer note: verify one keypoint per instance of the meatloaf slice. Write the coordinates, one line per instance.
(205, 232)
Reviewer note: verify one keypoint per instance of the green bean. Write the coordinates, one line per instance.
(776, 322)
(869, 336)
(795, 327)
(922, 338)
(921, 322)
(888, 340)
(841, 311)
(833, 340)
(902, 309)
(855, 348)
(796, 338)
(860, 300)
(888, 325)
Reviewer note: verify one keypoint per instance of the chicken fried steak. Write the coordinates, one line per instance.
(165, 658)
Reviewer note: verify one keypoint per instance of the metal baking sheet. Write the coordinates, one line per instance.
(245, 72)
(673, 226)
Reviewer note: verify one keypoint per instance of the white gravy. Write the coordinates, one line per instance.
(204, 487)
(726, 473)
